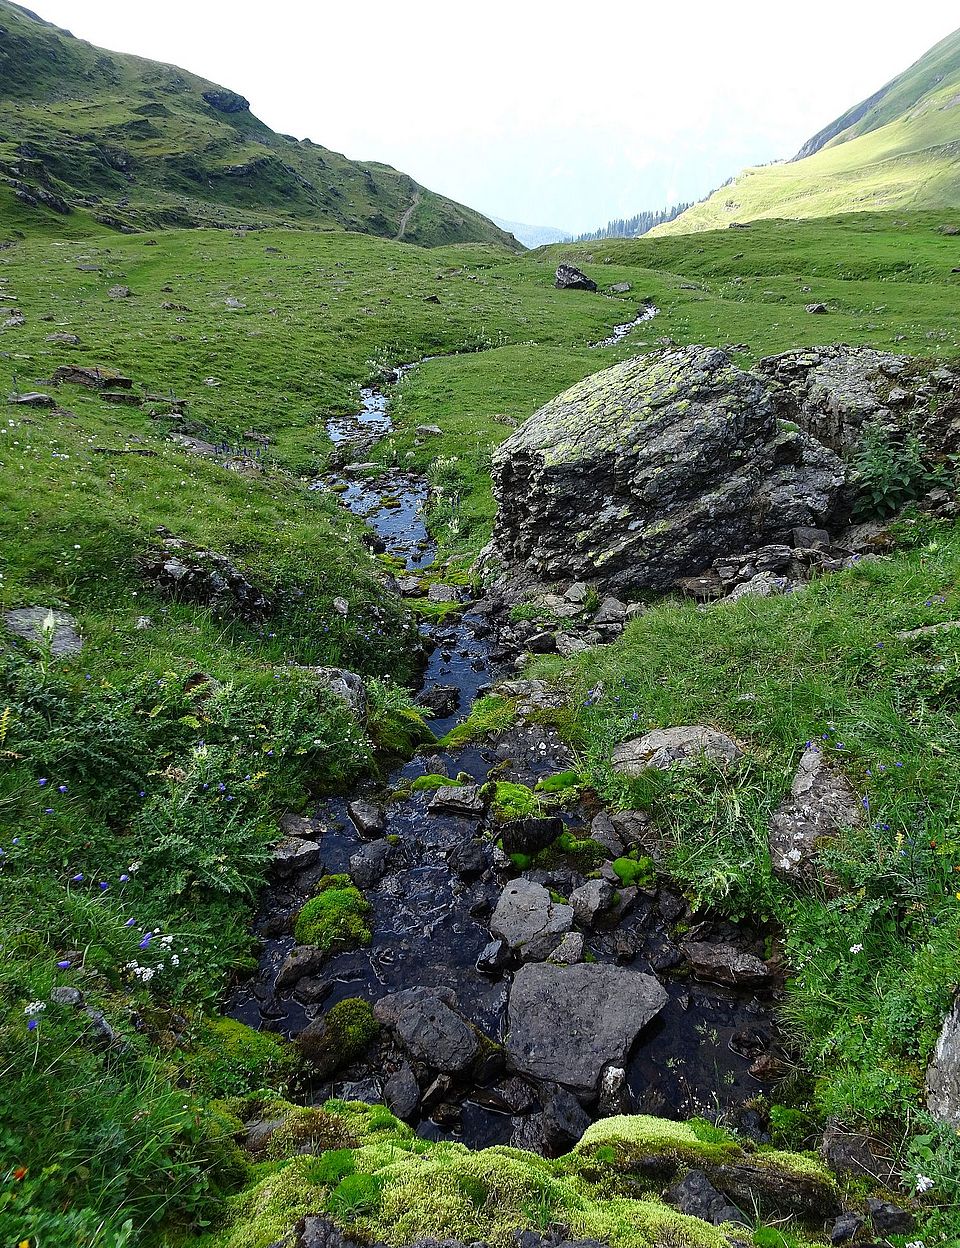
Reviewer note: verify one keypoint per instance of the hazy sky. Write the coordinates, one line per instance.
(539, 112)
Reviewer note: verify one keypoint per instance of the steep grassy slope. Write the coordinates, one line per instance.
(92, 135)
(899, 150)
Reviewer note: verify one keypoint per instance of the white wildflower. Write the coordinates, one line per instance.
(856, 948)
(924, 1184)
(35, 1007)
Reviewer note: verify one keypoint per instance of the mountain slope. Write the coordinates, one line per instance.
(897, 150)
(138, 144)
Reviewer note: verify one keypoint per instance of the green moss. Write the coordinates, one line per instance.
(429, 784)
(639, 1136)
(336, 918)
(330, 1167)
(356, 1195)
(514, 801)
(228, 1058)
(347, 1031)
(562, 782)
(590, 853)
(310, 1130)
(639, 871)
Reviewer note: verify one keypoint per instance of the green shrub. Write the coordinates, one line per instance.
(336, 918)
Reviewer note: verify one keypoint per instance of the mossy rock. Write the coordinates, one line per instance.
(340, 1036)
(335, 919)
(430, 784)
(514, 801)
(228, 1058)
(635, 871)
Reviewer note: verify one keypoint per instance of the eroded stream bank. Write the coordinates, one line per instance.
(453, 914)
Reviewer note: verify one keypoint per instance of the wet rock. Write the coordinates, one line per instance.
(649, 471)
(441, 701)
(850, 1152)
(665, 746)
(467, 800)
(846, 1228)
(299, 826)
(591, 901)
(889, 1219)
(470, 859)
(696, 1196)
(541, 643)
(45, 627)
(529, 920)
(512, 1096)
(71, 997)
(556, 1129)
(615, 1095)
(429, 1029)
(301, 962)
(494, 957)
(569, 950)
(368, 819)
(292, 855)
(821, 803)
(531, 835)
(369, 864)
(226, 101)
(410, 587)
(768, 1069)
(723, 964)
(569, 277)
(402, 1093)
(532, 696)
(566, 1023)
(943, 1074)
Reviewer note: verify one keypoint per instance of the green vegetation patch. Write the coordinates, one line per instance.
(336, 918)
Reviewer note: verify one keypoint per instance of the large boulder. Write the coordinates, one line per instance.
(529, 921)
(660, 749)
(45, 627)
(943, 1075)
(646, 472)
(821, 803)
(429, 1028)
(571, 278)
(566, 1023)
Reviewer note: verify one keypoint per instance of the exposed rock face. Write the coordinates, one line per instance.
(568, 1022)
(820, 804)
(569, 277)
(833, 392)
(723, 964)
(226, 101)
(943, 1076)
(650, 470)
(663, 747)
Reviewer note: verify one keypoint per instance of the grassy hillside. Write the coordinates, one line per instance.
(118, 768)
(897, 151)
(88, 136)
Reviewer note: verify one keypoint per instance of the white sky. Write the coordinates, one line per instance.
(538, 112)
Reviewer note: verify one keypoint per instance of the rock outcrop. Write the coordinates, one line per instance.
(821, 803)
(649, 471)
(571, 278)
(943, 1075)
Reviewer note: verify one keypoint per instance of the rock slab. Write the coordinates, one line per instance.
(566, 1023)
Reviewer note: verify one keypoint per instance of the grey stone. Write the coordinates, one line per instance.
(723, 964)
(347, 686)
(615, 1095)
(845, 1228)
(648, 471)
(302, 962)
(556, 1129)
(225, 101)
(763, 585)
(368, 819)
(292, 855)
(578, 593)
(530, 835)
(889, 1219)
(611, 611)
(621, 288)
(410, 587)
(444, 593)
(119, 292)
(566, 1023)
(32, 398)
(429, 431)
(440, 701)
(570, 950)
(369, 864)
(341, 606)
(821, 803)
(529, 920)
(64, 995)
(591, 901)
(429, 1029)
(45, 627)
(462, 799)
(402, 1093)
(696, 1196)
(300, 826)
(189, 573)
(943, 1074)
(494, 957)
(604, 833)
(665, 746)
(817, 309)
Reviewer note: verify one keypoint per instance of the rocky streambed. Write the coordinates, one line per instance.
(529, 971)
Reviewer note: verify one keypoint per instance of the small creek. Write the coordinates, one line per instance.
(429, 915)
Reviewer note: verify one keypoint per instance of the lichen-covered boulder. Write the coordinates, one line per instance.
(821, 803)
(648, 471)
(943, 1074)
(662, 748)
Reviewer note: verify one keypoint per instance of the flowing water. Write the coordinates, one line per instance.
(428, 923)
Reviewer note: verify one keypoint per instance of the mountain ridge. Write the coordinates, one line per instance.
(897, 150)
(138, 144)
